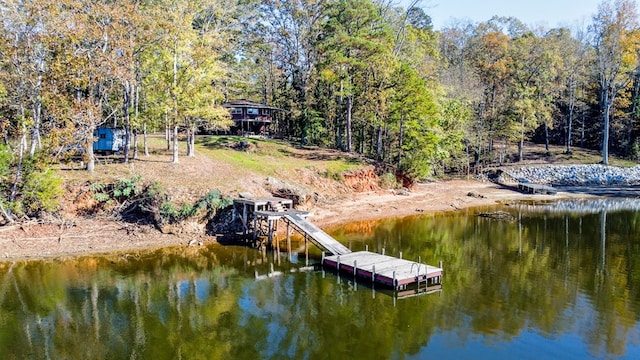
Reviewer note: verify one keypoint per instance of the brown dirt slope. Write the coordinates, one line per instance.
(357, 196)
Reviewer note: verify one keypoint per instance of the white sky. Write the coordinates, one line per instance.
(550, 13)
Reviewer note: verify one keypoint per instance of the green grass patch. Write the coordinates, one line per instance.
(268, 157)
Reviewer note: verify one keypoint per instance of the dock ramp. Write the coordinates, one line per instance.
(314, 234)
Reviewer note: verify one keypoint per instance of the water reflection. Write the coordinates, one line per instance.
(584, 206)
(549, 284)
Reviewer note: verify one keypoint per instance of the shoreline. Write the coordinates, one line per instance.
(86, 237)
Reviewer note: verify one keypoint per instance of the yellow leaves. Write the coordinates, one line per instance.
(630, 46)
(329, 75)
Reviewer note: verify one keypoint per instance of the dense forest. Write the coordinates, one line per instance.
(363, 76)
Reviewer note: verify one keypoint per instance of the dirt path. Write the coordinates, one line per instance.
(91, 236)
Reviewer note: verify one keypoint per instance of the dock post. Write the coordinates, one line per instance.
(395, 285)
(355, 267)
(400, 254)
(338, 267)
(269, 233)
(306, 251)
(440, 264)
(382, 251)
(244, 219)
(289, 240)
(373, 274)
(419, 259)
(278, 248)
(366, 247)
(323, 258)
(255, 227)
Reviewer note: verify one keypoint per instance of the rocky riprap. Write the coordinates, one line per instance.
(576, 175)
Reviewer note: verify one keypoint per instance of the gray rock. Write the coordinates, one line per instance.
(577, 175)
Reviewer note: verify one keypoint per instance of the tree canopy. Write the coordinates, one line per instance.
(357, 75)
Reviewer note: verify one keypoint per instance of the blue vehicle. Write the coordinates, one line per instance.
(109, 140)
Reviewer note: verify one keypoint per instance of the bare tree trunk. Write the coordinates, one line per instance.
(379, 149)
(36, 141)
(401, 140)
(127, 125)
(175, 105)
(191, 143)
(466, 148)
(167, 131)
(175, 143)
(144, 140)
(136, 106)
(521, 142)
(363, 134)
(348, 123)
(135, 144)
(572, 104)
(605, 132)
(91, 159)
(546, 139)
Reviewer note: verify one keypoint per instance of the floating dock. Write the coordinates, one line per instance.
(398, 274)
(536, 188)
(261, 215)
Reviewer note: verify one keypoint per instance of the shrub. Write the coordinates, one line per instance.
(205, 208)
(42, 190)
(388, 181)
(120, 191)
(37, 188)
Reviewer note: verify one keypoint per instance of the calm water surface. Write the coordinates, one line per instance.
(560, 281)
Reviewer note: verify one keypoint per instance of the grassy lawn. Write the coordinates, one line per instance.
(228, 163)
(235, 164)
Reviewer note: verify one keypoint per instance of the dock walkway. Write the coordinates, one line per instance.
(320, 238)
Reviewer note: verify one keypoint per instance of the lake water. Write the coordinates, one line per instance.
(558, 281)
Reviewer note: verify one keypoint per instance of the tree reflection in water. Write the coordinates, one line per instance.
(549, 283)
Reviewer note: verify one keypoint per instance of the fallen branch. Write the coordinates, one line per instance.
(6, 215)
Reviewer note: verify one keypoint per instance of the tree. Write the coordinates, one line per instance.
(573, 76)
(184, 66)
(354, 39)
(288, 32)
(532, 67)
(86, 69)
(22, 68)
(489, 58)
(616, 41)
(462, 85)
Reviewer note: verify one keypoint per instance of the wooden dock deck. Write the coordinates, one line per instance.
(388, 271)
(536, 188)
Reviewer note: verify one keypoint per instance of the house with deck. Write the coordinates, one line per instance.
(252, 118)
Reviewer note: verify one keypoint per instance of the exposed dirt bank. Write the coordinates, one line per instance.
(83, 236)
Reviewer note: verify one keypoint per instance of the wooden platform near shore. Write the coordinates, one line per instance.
(388, 271)
(536, 188)
(260, 216)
